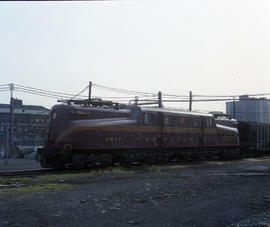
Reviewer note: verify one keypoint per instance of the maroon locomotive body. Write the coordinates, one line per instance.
(85, 135)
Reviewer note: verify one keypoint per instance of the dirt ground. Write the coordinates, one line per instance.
(233, 193)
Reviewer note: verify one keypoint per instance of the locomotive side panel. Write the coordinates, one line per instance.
(119, 137)
(181, 131)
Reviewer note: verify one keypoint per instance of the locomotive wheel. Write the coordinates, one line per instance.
(106, 159)
(43, 162)
(60, 164)
(78, 161)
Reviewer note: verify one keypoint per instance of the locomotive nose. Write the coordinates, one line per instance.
(58, 121)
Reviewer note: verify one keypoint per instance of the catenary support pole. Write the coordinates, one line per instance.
(233, 108)
(90, 90)
(11, 120)
(7, 148)
(159, 99)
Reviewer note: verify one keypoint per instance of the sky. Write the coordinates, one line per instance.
(208, 47)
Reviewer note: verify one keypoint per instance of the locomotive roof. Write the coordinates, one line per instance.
(89, 108)
(127, 109)
(167, 110)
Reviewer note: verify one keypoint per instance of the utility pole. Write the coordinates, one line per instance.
(159, 99)
(190, 100)
(233, 107)
(90, 90)
(7, 148)
(11, 120)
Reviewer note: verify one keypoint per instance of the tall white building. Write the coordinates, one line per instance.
(249, 109)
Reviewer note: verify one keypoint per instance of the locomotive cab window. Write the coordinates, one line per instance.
(135, 114)
(53, 115)
(149, 118)
(212, 123)
(209, 123)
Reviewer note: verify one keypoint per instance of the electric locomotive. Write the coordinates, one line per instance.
(104, 132)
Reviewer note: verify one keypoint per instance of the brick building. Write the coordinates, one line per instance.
(30, 124)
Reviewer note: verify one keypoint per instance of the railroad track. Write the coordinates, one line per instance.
(36, 172)
(137, 167)
(134, 167)
(50, 171)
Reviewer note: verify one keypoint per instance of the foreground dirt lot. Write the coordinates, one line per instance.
(235, 193)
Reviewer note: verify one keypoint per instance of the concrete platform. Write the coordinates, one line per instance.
(19, 165)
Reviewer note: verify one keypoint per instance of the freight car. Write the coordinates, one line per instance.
(254, 138)
(104, 133)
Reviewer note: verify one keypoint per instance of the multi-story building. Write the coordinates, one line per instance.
(30, 124)
(250, 109)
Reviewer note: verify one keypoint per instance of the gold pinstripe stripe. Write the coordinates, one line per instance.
(132, 128)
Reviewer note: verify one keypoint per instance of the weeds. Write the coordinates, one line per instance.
(21, 190)
(12, 180)
(155, 168)
(54, 182)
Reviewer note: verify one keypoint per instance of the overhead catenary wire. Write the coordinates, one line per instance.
(45, 91)
(138, 95)
(126, 91)
(148, 94)
(54, 96)
(201, 100)
(174, 96)
(40, 92)
(198, 100)
(4, 85)
(115, 97)
(59, 95)
(233, 96)
(4, 88)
